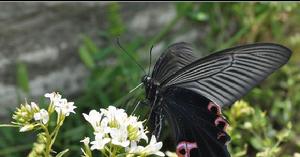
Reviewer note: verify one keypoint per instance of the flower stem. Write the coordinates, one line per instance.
(48, 144)
(9, 125)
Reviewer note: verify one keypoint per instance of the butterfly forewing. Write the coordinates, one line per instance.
(226, 76)
(174, 58)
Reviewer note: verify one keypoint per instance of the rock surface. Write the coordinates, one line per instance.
(46, 36)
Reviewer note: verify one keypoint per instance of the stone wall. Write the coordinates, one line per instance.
(46, 37)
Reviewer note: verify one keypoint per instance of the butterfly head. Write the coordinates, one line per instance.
(151, 87)
(146, 80)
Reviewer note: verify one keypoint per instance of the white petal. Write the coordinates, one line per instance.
(34, 106)
(144, 136)
(153, 140)
(94, 118)
(37, 116)
(45, 119)
(86, 141)
(159, 153)
(27, 127)
(49, 95)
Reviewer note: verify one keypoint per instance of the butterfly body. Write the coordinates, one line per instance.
(152, 88)
(190, 92)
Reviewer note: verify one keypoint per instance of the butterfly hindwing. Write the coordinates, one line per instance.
(193, 123)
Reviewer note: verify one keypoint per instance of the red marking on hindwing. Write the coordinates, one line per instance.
(220, 135)
(220, 120)
(212, 105)
(184, 148)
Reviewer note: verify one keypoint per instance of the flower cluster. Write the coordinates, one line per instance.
(61, 106)
(32, 117)
(117, 133)
(28, 117)
(23, 116)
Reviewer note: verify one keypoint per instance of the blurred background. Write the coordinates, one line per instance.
(70, 47)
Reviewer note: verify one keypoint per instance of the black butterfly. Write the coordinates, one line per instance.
(191, 91)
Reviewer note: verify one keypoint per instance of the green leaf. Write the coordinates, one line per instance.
(74, 134)
(116, 25)
(257, 143)
(22, 77)
(103, 54)
(86, 57)
(62, 153)
(184, 9)
(90, 45)
(200, 16)
(7, 151)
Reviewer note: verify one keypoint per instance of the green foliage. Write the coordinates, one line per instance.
(86, 51)
(22, 77)
(12, 142)
(116, 25)
(251, 128)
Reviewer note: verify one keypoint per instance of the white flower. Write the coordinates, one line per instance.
(134, 149)
(94, 118)
(103, 126)
(98, 121)
(34, 107)
(86, 141)
(54, 97)
(136, 129)
(113, 126)
(64, 107)
(151, 149)
(119, 136)
(154, 147)
(100, 141)
(42, 116)
(116, 122)
(116, 117)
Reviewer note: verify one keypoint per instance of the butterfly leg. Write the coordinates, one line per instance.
(158, 123)
(156, 103)
(156, 113)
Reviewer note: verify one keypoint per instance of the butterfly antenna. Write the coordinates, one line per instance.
(150, 53)
(128, 54)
